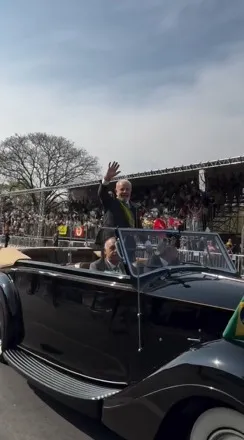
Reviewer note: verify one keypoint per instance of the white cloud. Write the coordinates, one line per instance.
(187, 124)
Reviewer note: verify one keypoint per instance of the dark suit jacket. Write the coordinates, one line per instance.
(114, 215)
(102, 266)
(155, 262)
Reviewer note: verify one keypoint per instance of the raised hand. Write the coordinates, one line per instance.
(112, 172)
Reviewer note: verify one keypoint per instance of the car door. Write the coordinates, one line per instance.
(169, 327)
(84, 322)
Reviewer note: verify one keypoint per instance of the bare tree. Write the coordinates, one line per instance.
(39, 160)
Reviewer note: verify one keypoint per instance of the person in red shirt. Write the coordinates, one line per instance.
(159, 223)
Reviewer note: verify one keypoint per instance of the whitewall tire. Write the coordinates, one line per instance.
(218, 424)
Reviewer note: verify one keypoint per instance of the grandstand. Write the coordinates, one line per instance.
(228, 220)
(221, 183)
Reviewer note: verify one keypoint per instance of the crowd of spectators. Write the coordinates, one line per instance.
(184, 200)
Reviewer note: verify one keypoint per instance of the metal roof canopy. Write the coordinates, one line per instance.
(184, 168)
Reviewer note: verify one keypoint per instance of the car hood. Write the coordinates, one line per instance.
(200, 288)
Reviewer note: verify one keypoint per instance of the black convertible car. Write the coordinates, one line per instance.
(141, 349)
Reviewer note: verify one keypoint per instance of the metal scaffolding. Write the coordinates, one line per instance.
(184, 168)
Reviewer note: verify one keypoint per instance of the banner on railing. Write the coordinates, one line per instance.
(62, 229)
(79, 232)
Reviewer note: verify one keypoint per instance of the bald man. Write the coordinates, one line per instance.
(118, 211)
(110, 262)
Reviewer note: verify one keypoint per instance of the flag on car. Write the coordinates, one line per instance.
(235, 326)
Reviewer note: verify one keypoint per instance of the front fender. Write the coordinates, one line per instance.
(9, 292)
(214, 370)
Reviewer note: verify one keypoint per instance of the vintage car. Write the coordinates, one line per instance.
(142, 349)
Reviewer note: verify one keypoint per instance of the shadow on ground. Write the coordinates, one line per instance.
(86, 425)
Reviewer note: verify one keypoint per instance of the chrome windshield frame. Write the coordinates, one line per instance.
(122, 232)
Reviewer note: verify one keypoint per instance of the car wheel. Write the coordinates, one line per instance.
(218, 424)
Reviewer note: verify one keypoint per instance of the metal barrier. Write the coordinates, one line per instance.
(215, 260)
(29, 241)
(202, 257)
(238, 261)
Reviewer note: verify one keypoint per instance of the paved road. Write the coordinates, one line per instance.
(25, 415)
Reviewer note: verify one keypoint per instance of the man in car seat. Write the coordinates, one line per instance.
(110, 262)
(166, 255)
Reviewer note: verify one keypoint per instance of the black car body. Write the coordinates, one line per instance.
(138, 350)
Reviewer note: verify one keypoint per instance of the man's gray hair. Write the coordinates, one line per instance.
(120, 181)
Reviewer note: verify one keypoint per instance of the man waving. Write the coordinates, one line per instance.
(119, 211)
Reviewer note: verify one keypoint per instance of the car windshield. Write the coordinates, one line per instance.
(148, 251)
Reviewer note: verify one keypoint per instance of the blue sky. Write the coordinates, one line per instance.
(150, 83)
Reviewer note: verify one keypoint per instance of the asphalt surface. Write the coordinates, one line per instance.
(29, 415)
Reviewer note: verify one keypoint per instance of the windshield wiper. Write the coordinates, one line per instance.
(177, 280)
(167, 277)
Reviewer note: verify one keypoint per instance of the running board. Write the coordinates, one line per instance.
(80, 395)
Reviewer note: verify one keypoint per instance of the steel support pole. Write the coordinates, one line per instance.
(41, 214)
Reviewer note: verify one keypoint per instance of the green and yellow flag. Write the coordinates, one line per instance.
(129, 214)
(235, 326)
